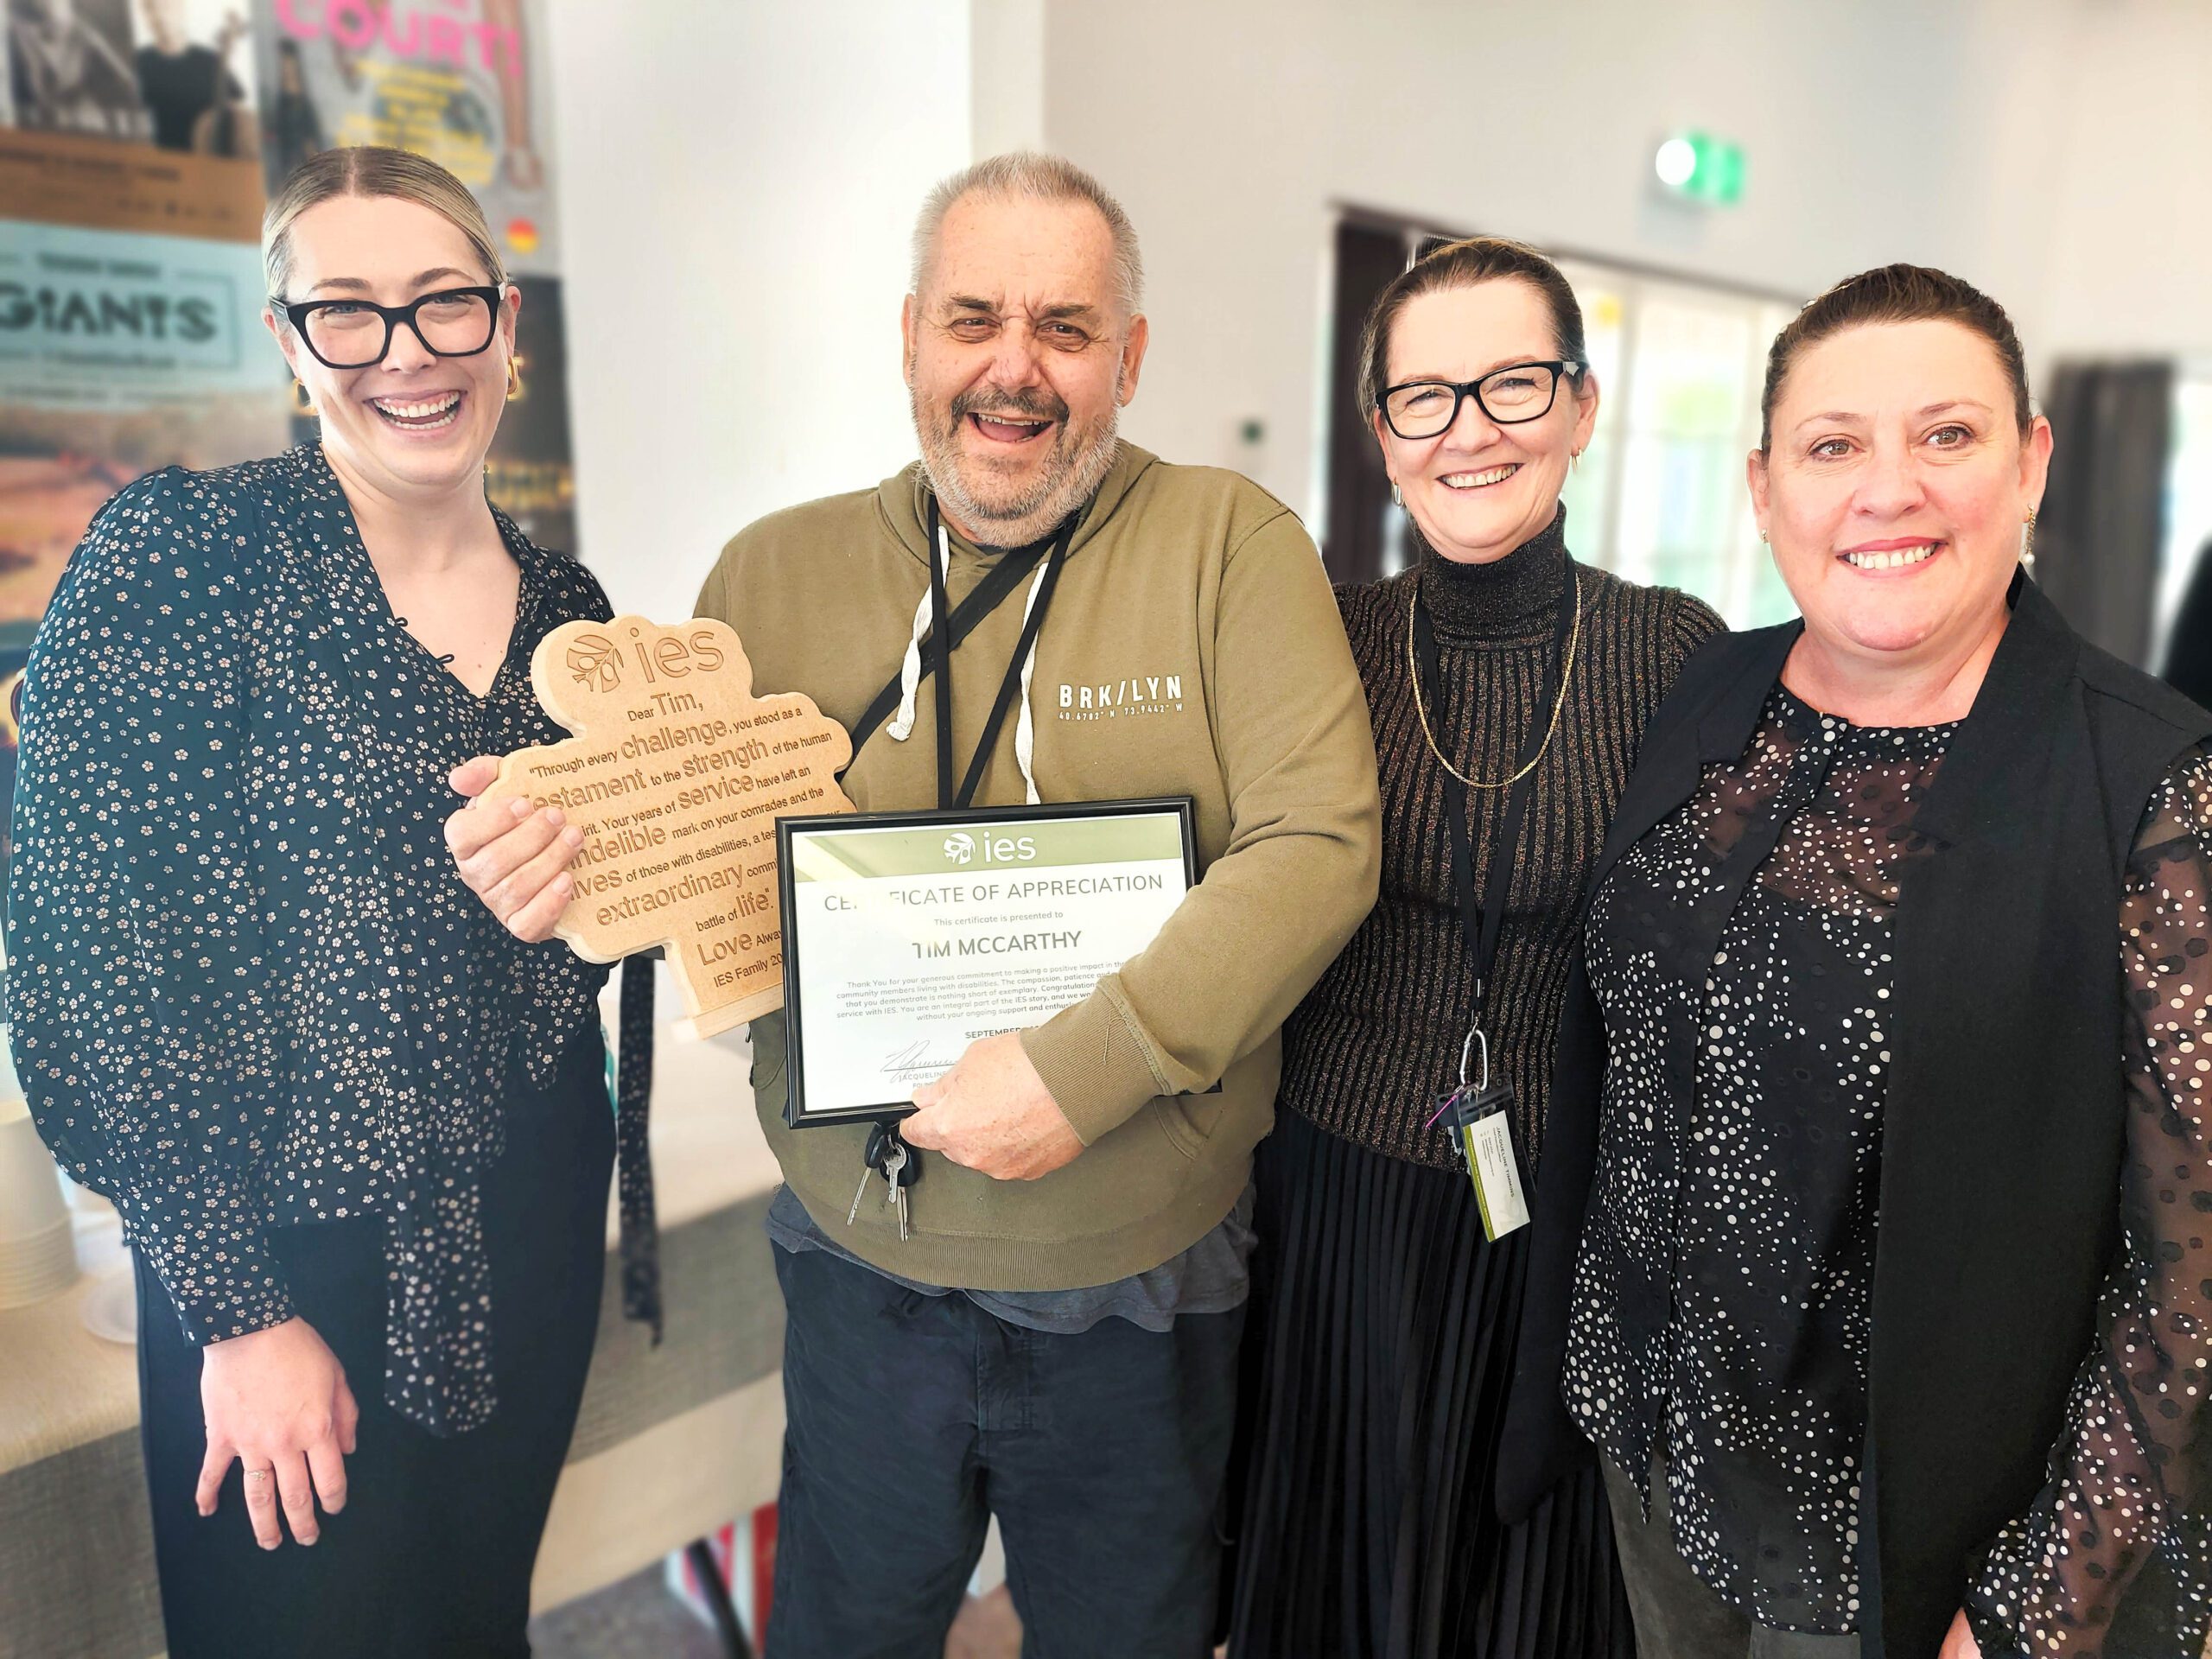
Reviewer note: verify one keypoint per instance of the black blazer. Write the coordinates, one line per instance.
(2003, 1128)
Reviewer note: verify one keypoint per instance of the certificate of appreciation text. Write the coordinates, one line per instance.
(909, 936)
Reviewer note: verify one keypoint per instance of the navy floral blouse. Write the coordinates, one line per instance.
(249, 989)
(1765, 906)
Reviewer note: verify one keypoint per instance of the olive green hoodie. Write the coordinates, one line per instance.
(1193, 647)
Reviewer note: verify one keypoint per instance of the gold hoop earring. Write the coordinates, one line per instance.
(516, 391)
(1397, 496)
(1575, 461)
(303, 400)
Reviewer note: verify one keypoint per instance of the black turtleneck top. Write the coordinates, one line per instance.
(1378, 1040)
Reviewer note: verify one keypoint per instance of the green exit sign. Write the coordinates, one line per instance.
(1702, 168)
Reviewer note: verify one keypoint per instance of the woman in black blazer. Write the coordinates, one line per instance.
(359, 1136)
(1870, 1245)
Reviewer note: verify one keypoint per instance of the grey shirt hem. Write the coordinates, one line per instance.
(1213, 1276)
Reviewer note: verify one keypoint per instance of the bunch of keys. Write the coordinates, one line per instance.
(890, 1157)
(1480, 1121)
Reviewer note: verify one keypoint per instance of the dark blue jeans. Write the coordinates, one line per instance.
(912, 1419)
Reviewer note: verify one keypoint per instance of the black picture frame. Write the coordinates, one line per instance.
(795, 1113)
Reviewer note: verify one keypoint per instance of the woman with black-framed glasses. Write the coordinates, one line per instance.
(1508, 687)
(360, 1134)
(350, 334)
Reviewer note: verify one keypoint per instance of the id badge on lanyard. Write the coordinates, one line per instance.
(1477, 1114)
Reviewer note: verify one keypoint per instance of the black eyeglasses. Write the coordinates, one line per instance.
(353, 334)
(1425, 408)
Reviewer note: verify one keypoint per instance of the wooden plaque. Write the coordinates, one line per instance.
(676, 775)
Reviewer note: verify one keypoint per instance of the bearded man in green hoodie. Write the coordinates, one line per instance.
(1055, 1342)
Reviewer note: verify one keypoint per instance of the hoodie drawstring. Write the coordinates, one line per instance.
(1025, 724)
(901, 726)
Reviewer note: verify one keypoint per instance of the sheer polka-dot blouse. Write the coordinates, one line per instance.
(2120, 1542)
(248, 988)
(1761, 910)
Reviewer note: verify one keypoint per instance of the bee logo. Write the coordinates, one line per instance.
(597, 661)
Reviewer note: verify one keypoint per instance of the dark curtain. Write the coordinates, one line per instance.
(2103, 519)
(2188, 647)
(1368, 257)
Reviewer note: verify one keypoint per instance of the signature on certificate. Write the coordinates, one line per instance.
(915, 1056)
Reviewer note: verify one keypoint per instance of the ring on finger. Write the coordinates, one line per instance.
(260, 1475)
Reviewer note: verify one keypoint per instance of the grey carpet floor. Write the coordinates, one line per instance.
(637, 1618)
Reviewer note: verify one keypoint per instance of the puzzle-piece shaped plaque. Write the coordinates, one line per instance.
(676, 775)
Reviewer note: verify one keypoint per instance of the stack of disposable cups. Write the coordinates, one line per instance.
(38, 1255)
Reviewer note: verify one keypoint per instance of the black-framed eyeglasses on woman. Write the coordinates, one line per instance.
(1523, 391)
(353, 334)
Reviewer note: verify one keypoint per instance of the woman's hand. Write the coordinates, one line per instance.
(276, 1401)
(514, 859)
(1958, 1641)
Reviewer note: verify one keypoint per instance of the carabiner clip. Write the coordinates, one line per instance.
(1474, 1035)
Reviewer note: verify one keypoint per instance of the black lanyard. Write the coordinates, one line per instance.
(1002, 578)
(939, 646)
(1482, 925)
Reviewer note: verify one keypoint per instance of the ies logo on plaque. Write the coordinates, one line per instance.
(676, 775)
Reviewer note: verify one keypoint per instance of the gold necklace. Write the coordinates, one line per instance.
(1565, 674)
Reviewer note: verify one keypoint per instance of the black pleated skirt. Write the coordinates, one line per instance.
(1380, 1352)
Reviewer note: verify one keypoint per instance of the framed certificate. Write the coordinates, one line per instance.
(908, 936)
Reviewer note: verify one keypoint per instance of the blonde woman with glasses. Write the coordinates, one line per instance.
(360, 1134)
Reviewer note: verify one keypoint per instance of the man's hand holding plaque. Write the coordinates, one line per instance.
(656, 823)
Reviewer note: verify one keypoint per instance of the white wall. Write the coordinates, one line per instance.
(1969, 136)
(2116, 208)
(737, 182)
